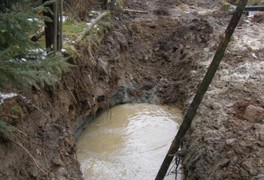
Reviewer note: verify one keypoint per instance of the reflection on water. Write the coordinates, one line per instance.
(129, 142)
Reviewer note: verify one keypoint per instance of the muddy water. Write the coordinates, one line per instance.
(128, 142)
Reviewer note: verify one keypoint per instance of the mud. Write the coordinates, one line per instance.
(159, 57)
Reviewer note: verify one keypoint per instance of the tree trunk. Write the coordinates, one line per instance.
(60, 27)
(55, 25)
(105, 4)
(49, 27)
(201, 90)
(53, 29)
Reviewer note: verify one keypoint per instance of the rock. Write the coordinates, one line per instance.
(62, 174)
(230, 141)
(243, 172)
(57, 161)
(214, 105)
(258, 17)
(258, 177)
(229, 105)
(2, 176)
(120, 96)
(33, 172)
(260, 119)
(249, 168)
(252, 113)
(223, 163)
(261, 140)
(121, 40)
(103, 64)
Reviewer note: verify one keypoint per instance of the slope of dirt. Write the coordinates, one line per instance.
(159, 57)
(226, 139)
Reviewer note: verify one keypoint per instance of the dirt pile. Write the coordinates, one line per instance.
(225, 141)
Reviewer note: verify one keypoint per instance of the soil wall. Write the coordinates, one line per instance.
(159, 57)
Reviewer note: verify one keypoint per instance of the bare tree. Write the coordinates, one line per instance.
(53, 26)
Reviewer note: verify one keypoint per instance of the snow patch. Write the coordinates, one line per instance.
(64, 18)
(249, 36)
(4, 96)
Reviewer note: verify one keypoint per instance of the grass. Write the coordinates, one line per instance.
(250, 2)
(72, 29)
(119, 4)
(90, 38)
(255, 2)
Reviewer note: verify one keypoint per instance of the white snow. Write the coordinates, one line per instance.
(4, 96)
(250, 36)
(64, 18)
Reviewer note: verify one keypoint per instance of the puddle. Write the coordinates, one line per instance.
(128, 142)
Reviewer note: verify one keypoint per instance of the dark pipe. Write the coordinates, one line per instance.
(254, 8)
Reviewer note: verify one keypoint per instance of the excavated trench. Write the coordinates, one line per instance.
(140, 61)
(156, 58)
(152, 61)
(161, 58)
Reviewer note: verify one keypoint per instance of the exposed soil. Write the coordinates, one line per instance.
(159, 57)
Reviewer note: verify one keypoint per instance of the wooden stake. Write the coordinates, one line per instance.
(55, 22)
(201, 90)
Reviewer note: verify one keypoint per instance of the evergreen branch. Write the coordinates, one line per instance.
(6, 129)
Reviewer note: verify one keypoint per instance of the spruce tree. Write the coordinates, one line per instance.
(22, 61)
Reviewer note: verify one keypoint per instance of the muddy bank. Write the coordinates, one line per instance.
(158, 57)
(138, 62)
(226, 138)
